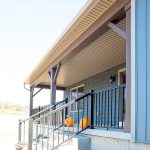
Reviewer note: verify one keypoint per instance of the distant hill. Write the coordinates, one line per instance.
(11, 108)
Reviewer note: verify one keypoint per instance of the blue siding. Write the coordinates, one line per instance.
(148, 72)
(142, 71)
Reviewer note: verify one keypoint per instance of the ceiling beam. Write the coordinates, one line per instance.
(45, 86)
(116, 29)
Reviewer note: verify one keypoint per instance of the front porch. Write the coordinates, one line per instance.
(95, 74)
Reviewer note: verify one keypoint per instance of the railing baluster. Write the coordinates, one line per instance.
(96, 109)
(115, 109)
(19, 130)
(99, 109)
(105, 109)
(102, 111)
(111, 105)
(48, 123)
(73, 116)
(108, 111)
(24, 132)
(78, 115)
(123, 97)
(87, 107)
(68, 125)
(36, 134)
(58, 135)
(64, 122)
(53, 129)
(118, 106)
(82, 112)
(42, 132)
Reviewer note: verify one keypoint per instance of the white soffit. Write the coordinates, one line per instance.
(91, 13)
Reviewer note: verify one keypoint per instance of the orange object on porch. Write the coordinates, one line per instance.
(69, 122)
(84, 122)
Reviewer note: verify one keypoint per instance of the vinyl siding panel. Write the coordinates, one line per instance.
(148, 73)
(142, 71)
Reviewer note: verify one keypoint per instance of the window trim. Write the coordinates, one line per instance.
(82, 85)
(120, 71)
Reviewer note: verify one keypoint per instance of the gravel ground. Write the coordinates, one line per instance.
(9, 131)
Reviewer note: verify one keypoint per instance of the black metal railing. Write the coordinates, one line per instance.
(104, 109)
(56, 132)
(109, 107)
(23, 125)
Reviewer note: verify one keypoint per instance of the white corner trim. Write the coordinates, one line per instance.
(109, 134)
(133, 68)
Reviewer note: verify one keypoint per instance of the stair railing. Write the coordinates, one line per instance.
(25, 126)
(57, 127)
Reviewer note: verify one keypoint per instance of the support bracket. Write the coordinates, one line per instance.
(57, 72)
(116, 29)
(37, 92)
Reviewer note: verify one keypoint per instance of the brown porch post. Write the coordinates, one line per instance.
(127, 120)
(31, 101)
(53, 74)
(53, 86)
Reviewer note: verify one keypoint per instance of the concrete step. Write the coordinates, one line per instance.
(77, 143)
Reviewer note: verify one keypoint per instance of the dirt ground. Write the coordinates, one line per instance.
(9, 131)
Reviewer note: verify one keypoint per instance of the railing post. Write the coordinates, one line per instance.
(30, 134)
(19, 130)
(92, 109)
(66, 111)
(39, 111)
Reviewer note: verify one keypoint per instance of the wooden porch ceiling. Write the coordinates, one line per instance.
(75, 44)
(104, 53)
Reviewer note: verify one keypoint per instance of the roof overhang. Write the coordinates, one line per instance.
(90, 26)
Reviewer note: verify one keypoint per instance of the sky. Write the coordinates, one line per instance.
(28, 28)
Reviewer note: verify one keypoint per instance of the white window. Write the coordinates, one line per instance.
(76, 93)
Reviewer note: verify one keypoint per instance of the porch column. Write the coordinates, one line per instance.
(127, 121)
(53, 86)
(31, 101)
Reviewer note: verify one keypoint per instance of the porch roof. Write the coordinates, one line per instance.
(104, 50)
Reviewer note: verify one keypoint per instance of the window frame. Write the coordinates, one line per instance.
(77, 87)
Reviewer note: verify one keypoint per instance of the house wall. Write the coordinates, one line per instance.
(99, 81)
(105, 143)
(142, 71)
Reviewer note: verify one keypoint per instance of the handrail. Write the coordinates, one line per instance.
(110, 88)
(53, 111)
(62, 107)
(21, 121)
(48, 108)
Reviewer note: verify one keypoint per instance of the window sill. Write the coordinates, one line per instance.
(109, 134)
